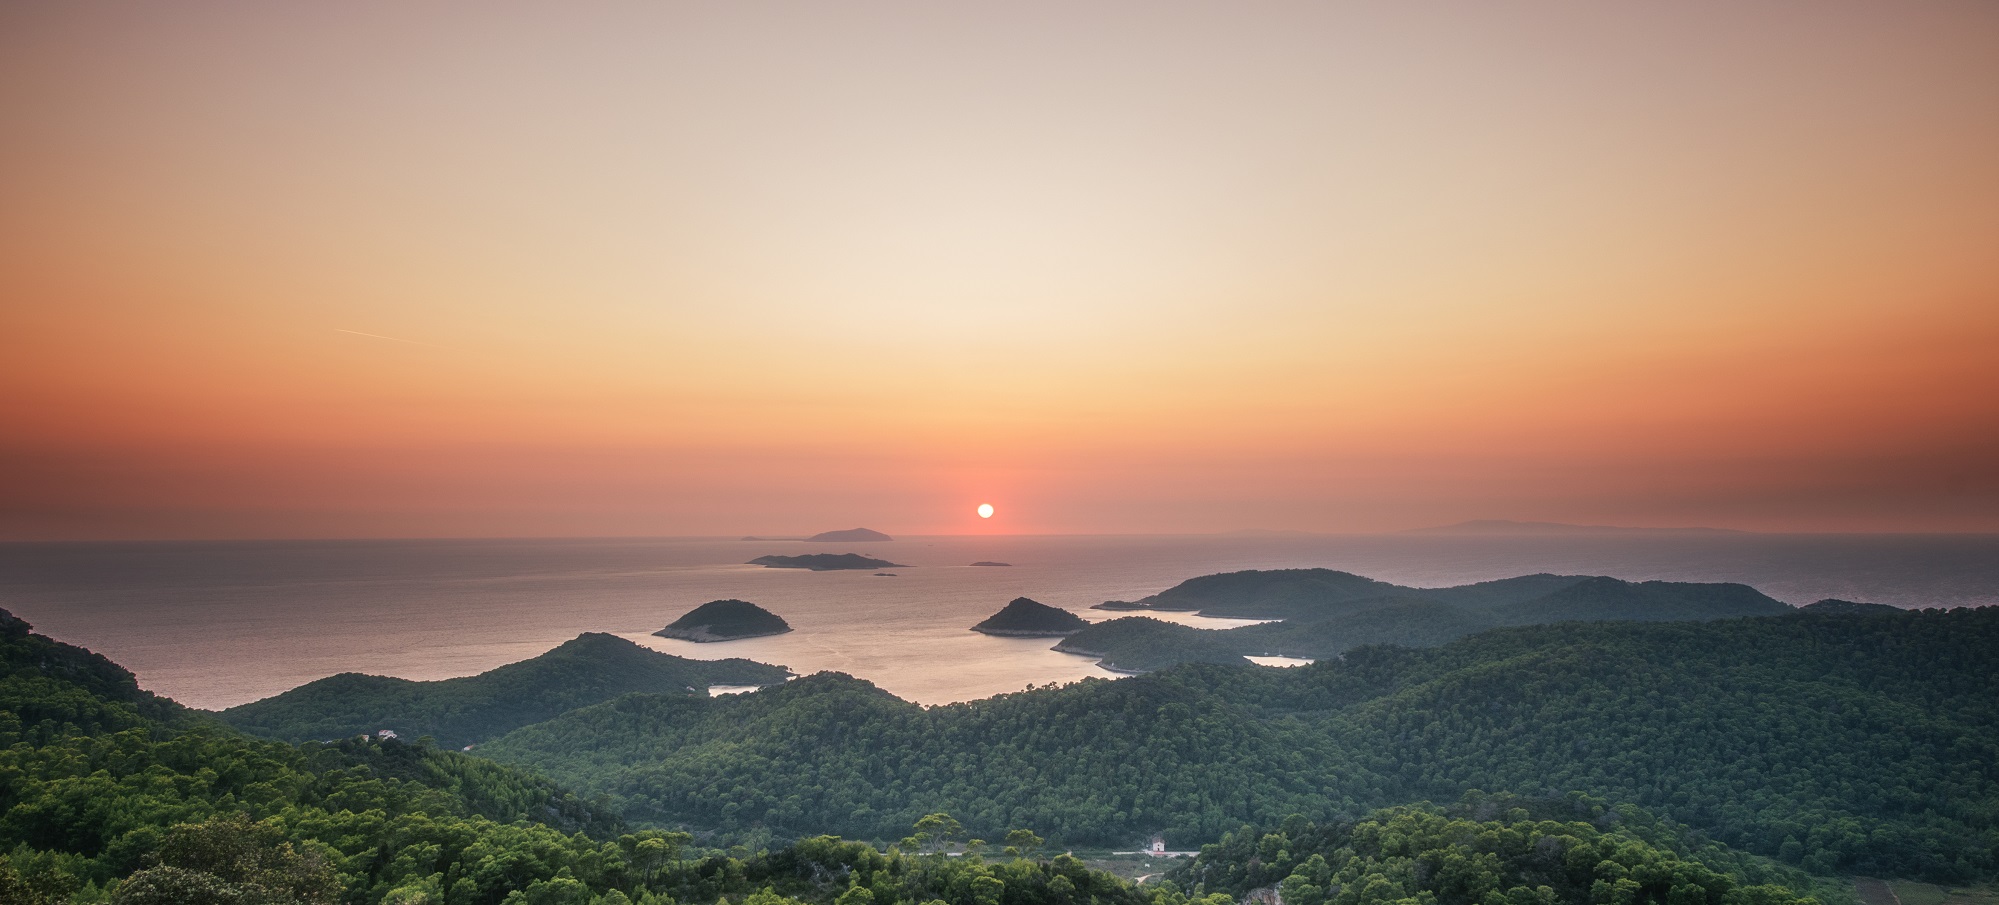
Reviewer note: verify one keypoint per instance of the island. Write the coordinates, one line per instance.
(1319, 614)
(985, 563)
(1024, 618)
(825, 562)
(1495, 527)
(725, 620)
(850, 536)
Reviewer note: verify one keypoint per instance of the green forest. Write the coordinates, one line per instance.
(114, 795)
(1837, 743)
(1491, 850)
(1751, 759)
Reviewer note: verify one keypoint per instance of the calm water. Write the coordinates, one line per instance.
(217, 624)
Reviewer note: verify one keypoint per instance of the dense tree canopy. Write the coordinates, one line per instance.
(1831, 743)
(1490, 850)
(113, 795)
(1840, 743)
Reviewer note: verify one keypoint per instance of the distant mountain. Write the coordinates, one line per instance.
(1031, 619)
(850, 536)
(725, 620)
(1505, 526)
(1327, 612)
(1486, 595)
(825, 562)
(1608, 599)
(1833, 606)
(591, 668)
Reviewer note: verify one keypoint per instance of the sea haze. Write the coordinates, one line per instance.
(214, 624)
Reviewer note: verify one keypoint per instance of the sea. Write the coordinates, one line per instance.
(216, 624)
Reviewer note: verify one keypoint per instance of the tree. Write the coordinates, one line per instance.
(227, 860)
(933, 832)
(1023, 843)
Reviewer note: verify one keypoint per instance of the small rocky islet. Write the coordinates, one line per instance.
(1025, 618)
(725, 620)
(825, 562)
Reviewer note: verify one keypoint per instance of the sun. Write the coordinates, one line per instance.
(985, 510)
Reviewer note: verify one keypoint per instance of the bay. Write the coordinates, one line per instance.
(214, 624)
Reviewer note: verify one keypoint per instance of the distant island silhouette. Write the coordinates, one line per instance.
(725, 620)
(1833, 606)
(850, 536)
(1323, 613)
(825, 562)
(986, 563)
(1493, 527)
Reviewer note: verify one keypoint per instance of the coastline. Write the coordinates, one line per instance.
(701, 635)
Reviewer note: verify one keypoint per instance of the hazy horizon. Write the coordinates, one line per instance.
(800, 536)
(657, 270)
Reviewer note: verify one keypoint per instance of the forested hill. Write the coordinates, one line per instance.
(94, 772)
(47, 685)
(1840, 744)
(1138, 644)
(1326, 612)
(110, 794)
(1527, 599)
(591, 668)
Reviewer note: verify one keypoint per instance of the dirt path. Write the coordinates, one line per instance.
(1875, 892)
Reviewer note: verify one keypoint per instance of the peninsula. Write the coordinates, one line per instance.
(1140, 644)
(825, 562)
(591, 669)
(1024, 618)
(725, 620)
(1833, 606)
(1322, 613)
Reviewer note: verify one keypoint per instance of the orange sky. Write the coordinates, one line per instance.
(758, 268)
